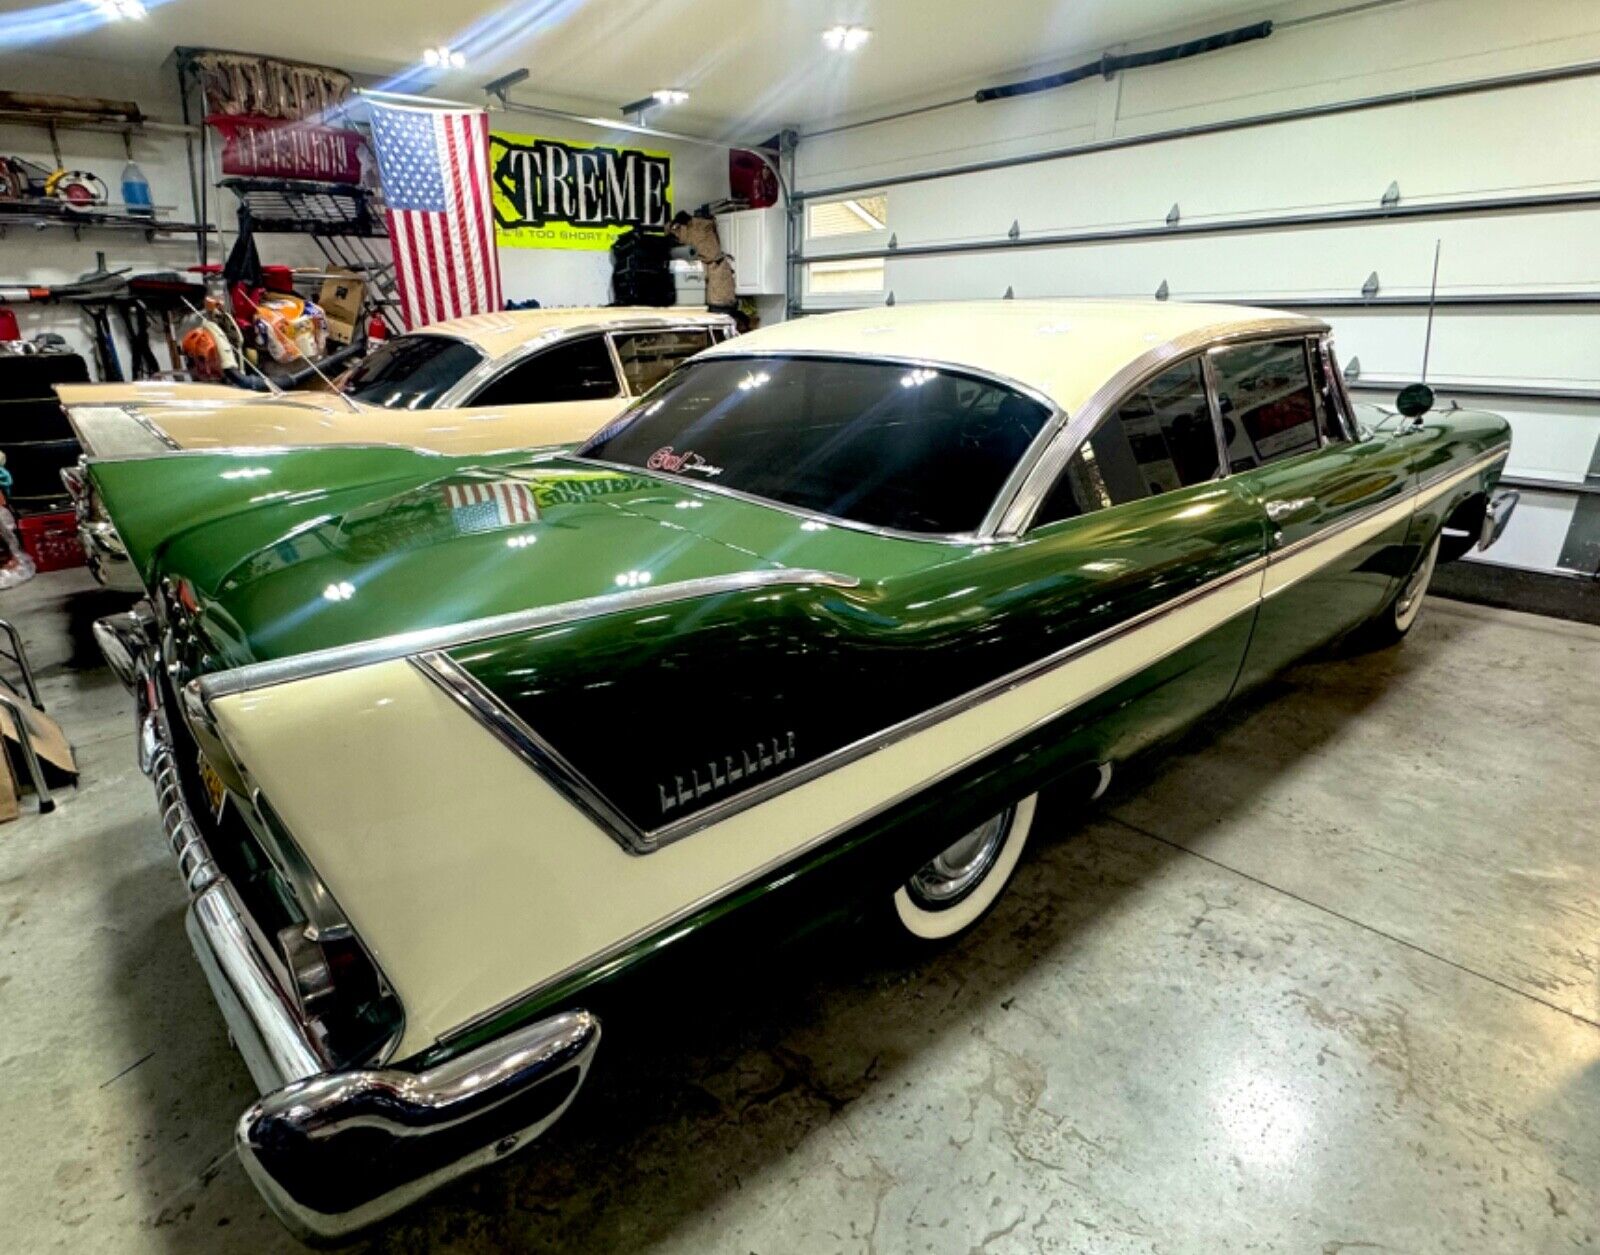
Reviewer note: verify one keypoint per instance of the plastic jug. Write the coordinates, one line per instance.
(136, 191)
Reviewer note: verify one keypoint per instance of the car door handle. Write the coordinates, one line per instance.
(1281, 511)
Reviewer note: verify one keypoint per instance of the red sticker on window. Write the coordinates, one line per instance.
(664, 459)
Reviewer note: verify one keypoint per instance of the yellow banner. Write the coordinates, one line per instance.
(557, 193)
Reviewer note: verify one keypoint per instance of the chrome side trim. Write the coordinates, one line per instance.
(1057, 418)
(544, 758)
(448, 636)
(601, 957)
(1480, 463)
(1135, 374)
(532, 748)
(336, 1153)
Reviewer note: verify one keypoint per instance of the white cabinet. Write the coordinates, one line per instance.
(757, 240)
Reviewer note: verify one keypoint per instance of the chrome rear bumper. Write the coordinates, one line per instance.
(1498, 514)
(334, 1151)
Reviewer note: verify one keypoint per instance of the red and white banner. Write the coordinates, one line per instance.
(434, 164)
(274, 149)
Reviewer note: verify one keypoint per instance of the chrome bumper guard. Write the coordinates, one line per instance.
(334, 1152)
(106, 555)
(1497, 516)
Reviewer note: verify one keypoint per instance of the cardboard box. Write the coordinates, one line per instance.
(342, 298)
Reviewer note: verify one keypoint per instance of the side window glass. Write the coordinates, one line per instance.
(1160, 439)
(578, 370)
(1268, 410)
(1336, 422)
(648, 357)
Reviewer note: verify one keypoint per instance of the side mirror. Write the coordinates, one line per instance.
(1414, 400)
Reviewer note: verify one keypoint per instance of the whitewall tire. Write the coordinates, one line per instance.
(1408, 604)
(953, 891)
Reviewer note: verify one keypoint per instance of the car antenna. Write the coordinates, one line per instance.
(1433, 297)
(1416, 399)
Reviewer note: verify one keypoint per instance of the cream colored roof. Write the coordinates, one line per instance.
(498, 334)
(1063, 349)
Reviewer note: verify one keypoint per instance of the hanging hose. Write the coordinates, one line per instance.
(1110, 63)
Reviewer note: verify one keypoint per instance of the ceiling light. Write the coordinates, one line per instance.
(846, 38)
(118, 9)
(670, 96)
(444, 57)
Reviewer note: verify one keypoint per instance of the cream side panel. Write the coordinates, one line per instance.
(474, 881)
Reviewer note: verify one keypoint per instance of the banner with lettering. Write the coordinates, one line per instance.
(556, 193)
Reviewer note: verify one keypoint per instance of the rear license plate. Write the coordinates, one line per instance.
(216, 791)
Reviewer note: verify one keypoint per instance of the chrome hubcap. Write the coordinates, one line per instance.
(953, 873)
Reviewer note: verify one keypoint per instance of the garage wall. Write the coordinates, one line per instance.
(581, 277)
(54, 255)
(1537, 363)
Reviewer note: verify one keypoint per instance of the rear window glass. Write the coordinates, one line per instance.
(912, 448)
(411, 372)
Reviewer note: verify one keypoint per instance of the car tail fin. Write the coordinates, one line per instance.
(154, 500)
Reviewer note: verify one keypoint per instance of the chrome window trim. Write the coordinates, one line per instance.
(490, 369)
(260, 675)
(1018, 515)
(1054, 420)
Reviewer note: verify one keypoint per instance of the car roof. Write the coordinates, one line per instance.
(1066, 350)
(498, 334)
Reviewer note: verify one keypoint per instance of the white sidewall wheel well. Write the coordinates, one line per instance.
(923, 923)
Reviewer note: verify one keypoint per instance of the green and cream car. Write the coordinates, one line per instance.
(450, 749)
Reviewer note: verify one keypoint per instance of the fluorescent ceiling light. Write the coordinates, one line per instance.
(119, 9)
(669, 96)
(444, 57)
(846, 38)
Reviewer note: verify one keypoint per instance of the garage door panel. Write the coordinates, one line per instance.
(1338, 162)
(1542, 347)
(1530, 252)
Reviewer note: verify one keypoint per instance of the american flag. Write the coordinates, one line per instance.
(434, 164)
(485, 506)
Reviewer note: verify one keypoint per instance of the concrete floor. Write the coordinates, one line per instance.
(1322, 979)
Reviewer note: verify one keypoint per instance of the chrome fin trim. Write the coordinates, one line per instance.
(448, 636)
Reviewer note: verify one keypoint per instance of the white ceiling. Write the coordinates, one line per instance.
(751, 65)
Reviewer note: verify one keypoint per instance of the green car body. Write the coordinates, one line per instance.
(714, 709)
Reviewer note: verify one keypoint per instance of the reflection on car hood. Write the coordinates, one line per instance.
(294, 551)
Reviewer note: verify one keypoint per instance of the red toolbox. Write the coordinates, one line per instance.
(52, 540)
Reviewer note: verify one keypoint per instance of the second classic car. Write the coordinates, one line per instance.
(512, 380)
(449, 747)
